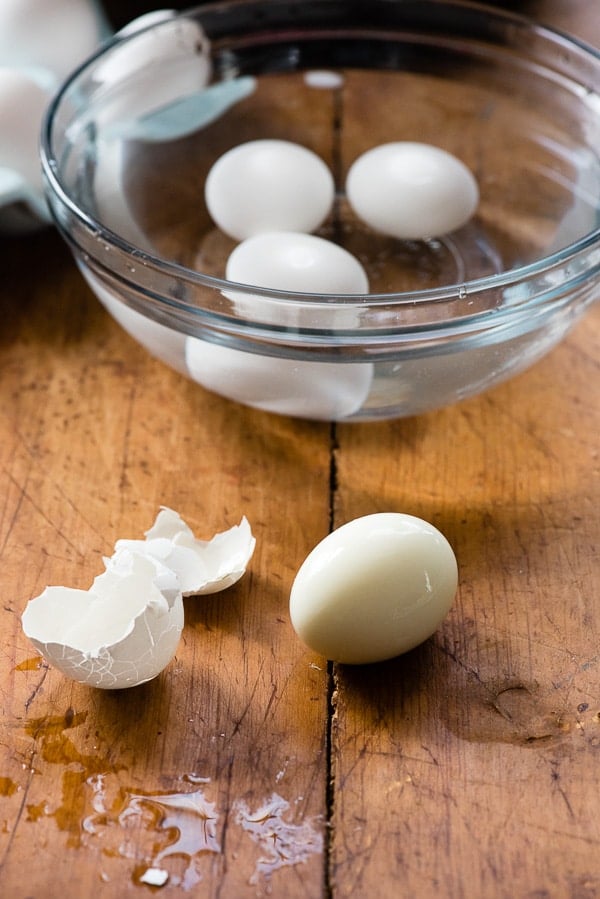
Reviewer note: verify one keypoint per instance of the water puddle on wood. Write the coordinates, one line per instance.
(281, 842)
(154, 828)
(168, 839)
(33, 664)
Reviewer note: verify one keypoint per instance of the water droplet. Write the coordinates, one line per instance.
(282, 843)
(30, 664)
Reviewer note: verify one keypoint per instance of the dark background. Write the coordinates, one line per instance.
(120, 12)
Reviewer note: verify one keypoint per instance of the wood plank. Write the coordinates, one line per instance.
(95, 436)
(469, 767)
(466, 768)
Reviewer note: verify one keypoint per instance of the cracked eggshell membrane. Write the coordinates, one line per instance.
(201, 566)
(121, 632)
(125, 630)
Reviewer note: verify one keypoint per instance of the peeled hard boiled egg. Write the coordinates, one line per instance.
(411, 190)
(374, 588)
(268, 185)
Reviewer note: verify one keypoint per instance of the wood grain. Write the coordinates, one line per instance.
(96, 436)
(468, 768)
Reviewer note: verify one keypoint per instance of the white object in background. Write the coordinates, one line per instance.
(268, 185)
(41, 41)
(140, 48)
(53, 34)
(24, 96)
(138, 53)
(374, 588)
(411, 190)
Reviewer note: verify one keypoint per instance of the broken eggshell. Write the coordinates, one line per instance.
(121, 632)
(125, 629)
(202, 566)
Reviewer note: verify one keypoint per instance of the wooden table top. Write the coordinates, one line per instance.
(468, 768)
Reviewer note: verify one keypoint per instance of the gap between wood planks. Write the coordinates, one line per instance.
(331, 688)
(337, 169)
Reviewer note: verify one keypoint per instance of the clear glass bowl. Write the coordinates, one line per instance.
(131, 136)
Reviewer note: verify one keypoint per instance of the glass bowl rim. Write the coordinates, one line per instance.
(513, 276)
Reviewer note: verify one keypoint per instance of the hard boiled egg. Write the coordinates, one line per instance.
(326, 391)
(294, 261)
(374, 588)
(268, 185)
(411, 190)
(302, 387)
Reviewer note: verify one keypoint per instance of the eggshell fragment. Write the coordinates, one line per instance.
(201, 566)
(374, 588)
(268, 185)
(120, 633)
(411, 190)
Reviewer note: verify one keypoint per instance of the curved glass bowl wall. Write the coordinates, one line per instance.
(131, 137)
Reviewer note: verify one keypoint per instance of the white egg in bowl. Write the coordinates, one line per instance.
(473, 270)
